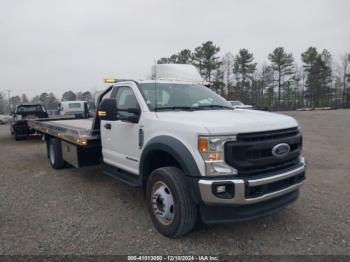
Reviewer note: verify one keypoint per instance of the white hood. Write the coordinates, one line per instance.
(230, 121)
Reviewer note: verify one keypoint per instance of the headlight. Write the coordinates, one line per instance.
(212, 150)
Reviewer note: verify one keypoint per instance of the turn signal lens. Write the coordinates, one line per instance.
(101, 113)
(82, 142)
(203, 145)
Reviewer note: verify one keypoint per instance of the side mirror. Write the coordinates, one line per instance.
(108, 109)
(136, 115)
(135, 111)
(133, 119)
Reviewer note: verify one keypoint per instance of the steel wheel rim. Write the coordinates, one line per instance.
(163, 203)
(52, 154)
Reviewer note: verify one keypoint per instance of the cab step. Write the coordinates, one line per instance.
(123, 176)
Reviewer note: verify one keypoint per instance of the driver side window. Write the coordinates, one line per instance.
(125, 99)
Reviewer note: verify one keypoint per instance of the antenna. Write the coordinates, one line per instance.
(155, 84)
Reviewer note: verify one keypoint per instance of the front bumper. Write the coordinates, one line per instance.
(255, 189)
(230, 214)
(252, 197)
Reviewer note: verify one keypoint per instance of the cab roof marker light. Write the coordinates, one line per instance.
(110, 80)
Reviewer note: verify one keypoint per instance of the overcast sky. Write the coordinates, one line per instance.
(59, 45)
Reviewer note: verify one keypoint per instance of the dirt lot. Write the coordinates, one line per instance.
(44, 211)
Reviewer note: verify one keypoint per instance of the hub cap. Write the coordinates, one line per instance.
(163, 203)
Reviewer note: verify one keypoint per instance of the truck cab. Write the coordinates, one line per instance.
(19, 127)
(234, 164)
(193, 154)
(78, 109)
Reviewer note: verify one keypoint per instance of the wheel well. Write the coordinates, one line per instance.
(157, 159)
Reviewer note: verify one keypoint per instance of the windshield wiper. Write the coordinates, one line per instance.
(215, 106)
(185, 108)
(193, 108)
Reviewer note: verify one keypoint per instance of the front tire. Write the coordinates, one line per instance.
(170, 205)
(54, 150)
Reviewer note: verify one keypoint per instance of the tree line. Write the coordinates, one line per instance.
(50, 101)
(280, 83)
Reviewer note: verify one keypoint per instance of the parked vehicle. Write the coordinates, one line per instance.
(79, 109)
(239, 105)
(4, 119)
(195, 157)
(19, 127)
(262, 108)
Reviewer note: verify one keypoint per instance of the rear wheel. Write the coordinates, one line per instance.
(170, 205)
(17, 136)
(55, 153)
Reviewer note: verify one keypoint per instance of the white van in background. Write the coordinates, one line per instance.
(4, 119)
(79, 109)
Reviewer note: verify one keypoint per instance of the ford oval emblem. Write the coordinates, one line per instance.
(280, 150)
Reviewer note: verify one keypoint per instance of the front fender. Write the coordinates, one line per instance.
(176, 149)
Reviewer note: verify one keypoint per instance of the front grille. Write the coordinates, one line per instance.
(261, 136)
(257, 191)
(251, 154)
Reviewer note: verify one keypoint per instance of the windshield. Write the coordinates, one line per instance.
(236, 103)
(182, 97)
(74, 105)
(28, 109)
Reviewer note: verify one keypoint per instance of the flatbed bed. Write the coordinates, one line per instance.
(79, 142)
(75, 131)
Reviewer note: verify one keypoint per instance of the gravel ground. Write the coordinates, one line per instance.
(71, 211)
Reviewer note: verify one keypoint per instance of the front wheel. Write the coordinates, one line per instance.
(170, 205)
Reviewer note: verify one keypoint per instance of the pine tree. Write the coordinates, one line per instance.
(69, 96)
(243, 68)
(52, 102)
(319, 74)
(206, 60)
(282, 64)
(24, 98)
(44, 98)
(184, 57)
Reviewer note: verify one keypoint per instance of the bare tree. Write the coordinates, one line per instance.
(345, 73)
(227, 66)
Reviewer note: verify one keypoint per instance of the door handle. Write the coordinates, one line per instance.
(108, 126)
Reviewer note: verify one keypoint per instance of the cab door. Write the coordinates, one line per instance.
(120, 137)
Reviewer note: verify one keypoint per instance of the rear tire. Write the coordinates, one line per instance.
(170, 205)
(18, 137)
(54, 150)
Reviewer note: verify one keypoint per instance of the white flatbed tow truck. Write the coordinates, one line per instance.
(194, 155)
